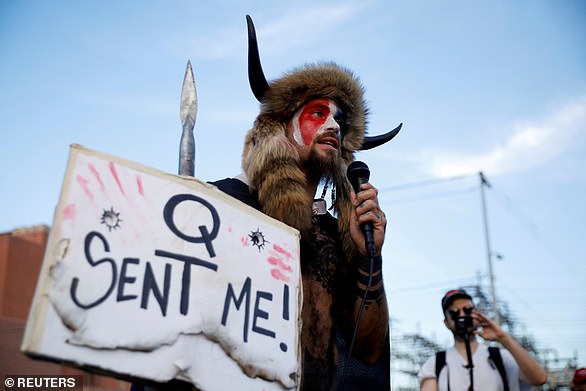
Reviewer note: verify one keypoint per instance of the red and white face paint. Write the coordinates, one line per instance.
(315, 119)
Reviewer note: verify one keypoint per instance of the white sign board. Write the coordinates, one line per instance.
(159, 277)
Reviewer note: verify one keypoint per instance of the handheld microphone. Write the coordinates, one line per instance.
(358, 173)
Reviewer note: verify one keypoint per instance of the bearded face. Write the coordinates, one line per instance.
(315, 130)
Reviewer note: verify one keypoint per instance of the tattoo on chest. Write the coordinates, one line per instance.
(320, 258)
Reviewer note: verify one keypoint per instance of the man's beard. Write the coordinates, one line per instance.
(319, 166)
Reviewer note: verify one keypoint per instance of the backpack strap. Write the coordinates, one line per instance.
(440, 362)
(494, 354)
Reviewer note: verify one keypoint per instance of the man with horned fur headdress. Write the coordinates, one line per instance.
(312, 120)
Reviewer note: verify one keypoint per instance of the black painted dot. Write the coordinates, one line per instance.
(283, 346)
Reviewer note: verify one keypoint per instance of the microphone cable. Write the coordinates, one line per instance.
(357, 323)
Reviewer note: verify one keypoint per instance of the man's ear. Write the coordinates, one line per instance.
(446, 322)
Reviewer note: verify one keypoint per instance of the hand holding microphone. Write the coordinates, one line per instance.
(369, 270)
(358, 174)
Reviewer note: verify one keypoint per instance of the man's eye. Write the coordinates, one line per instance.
(339, 117)
(318, 114)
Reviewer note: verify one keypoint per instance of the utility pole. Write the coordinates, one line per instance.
(485, 183)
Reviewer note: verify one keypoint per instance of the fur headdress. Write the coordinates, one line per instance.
(271, 162)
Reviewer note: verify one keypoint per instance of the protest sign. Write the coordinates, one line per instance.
(155, 276)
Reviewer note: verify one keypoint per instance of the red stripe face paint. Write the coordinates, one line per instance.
(314, 119)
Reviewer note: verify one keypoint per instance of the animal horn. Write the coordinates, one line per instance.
(256, 77)
(370, 142)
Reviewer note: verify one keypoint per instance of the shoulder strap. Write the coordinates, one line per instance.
(440, 361)
(495, 355)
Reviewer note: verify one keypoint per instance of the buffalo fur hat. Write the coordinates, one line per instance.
(271, 162)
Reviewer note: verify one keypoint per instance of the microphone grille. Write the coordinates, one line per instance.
(358, 169)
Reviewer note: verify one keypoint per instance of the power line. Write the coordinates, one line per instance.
(437, 284)
(441, 194)
(427, 182)
(503, 199)
(532, 228)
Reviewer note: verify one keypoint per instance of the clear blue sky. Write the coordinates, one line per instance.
(498, 87)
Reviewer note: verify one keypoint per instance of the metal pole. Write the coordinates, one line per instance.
(483, 183)
(188, 112)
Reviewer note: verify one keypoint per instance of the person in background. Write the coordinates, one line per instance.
(493, 368)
